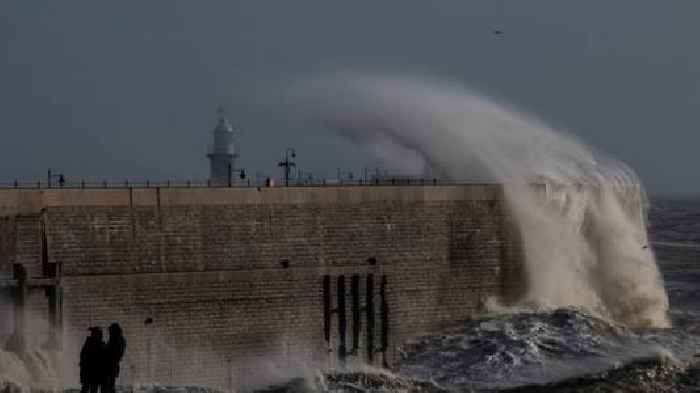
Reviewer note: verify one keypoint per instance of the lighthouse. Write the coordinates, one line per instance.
(223, 154)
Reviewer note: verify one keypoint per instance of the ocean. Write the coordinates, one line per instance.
(568, 349)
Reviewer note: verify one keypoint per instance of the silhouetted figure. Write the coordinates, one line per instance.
(113, 355)
(91, 361)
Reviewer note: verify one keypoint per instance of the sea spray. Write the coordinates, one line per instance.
(32, 368)
(583, 232)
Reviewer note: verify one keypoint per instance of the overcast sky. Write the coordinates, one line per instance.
(129, 89)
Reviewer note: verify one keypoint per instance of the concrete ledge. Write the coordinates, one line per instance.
(28, 201)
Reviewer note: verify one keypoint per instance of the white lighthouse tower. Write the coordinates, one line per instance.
(223, 153)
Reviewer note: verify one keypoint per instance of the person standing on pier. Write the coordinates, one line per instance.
(91, 361)
(112, 356)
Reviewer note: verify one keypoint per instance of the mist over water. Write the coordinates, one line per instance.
(583, 231)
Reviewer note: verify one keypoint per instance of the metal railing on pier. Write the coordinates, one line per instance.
(127, 183)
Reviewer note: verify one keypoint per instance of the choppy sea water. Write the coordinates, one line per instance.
(571, 350)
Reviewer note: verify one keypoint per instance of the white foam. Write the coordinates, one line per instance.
(584, 237)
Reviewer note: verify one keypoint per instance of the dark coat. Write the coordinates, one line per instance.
(114, 353)
(91, 358)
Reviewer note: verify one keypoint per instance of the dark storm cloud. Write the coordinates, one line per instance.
(130, 89)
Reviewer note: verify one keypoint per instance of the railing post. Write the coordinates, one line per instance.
(16, 184)
(148, 183)
(104, 183)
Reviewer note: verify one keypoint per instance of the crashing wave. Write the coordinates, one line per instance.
(584, 240)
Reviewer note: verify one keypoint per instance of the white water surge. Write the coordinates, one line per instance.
(584, 233)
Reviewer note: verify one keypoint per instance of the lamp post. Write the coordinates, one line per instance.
(287, 164)
(59, 176)
(231, 171)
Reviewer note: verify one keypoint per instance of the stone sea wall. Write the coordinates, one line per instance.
(216, 286)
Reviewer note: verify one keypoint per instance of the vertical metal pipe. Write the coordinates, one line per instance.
(21, 293)
(342, 320)
(385, 322)
(58, 321)
(327, 308)
(369, 310)
(356, 324)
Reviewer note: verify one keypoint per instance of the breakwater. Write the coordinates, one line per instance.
(226, 287)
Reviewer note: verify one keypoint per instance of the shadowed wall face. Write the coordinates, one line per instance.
(239, 282)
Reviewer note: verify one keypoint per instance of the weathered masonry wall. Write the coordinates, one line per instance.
(239, 281)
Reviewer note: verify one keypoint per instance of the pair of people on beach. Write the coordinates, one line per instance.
(99, 361)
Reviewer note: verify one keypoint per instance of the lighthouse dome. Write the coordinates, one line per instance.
(223, 136)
